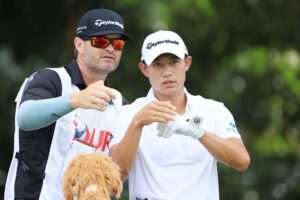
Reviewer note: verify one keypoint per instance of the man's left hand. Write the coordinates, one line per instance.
(182, 126)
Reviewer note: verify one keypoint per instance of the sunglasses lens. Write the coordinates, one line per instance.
(103, 42)
(118, 44)
(100, 42)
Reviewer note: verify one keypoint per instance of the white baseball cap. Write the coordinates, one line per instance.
(162, 42)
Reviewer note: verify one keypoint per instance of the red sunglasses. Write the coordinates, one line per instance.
(103, 42)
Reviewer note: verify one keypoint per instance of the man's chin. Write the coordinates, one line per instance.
(169, 91)
(109, 67)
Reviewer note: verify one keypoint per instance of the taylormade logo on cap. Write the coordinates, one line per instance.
(100, 22)
(162, 42)
(150, 45)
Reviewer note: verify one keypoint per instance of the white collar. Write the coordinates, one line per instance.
(188, 108)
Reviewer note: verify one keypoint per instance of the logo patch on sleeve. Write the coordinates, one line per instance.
(231, 127)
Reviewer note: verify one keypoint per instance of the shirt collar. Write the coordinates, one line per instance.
(76, 76)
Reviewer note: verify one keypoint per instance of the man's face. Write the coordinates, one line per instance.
(167, 74)
(100, 60)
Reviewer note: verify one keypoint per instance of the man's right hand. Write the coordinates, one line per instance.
(96, 96)
(156, 111)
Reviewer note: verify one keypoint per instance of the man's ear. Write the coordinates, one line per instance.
(188, 62)
(78, 44)
(144, 69)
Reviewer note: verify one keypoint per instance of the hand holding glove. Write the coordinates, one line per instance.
(190, 127)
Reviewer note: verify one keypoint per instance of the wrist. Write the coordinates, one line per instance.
(72, 100)
(137, 123)
(200, 134)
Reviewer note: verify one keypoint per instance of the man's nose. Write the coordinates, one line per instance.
(109, 48)
(167, 71)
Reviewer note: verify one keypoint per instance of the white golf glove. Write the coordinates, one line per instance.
(182, 126)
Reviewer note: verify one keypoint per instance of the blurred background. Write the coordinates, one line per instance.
(245, 54)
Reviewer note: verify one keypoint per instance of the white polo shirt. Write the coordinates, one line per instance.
(179, 167)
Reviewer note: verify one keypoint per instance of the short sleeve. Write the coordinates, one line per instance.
(45, 84)
(225, 124)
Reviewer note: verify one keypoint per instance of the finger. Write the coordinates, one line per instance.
(160, 127)
(103, 96)
(161, 110)
(100, 93)
(161, 118)
(110, 92)
(99, 101)
(166, 117)
(166, 104)
(168, 132)
(171, 128)
(165, 131)
(167, 114)
(154, 115)
(100, 107)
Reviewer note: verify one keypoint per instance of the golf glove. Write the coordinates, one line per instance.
(182, 126)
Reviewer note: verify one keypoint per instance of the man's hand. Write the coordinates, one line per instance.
(156, 111)
(190, 127)
(96, 96)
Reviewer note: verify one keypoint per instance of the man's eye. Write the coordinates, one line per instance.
(174, 61)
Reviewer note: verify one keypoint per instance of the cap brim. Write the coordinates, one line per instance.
(150, 58)
(124, 35)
